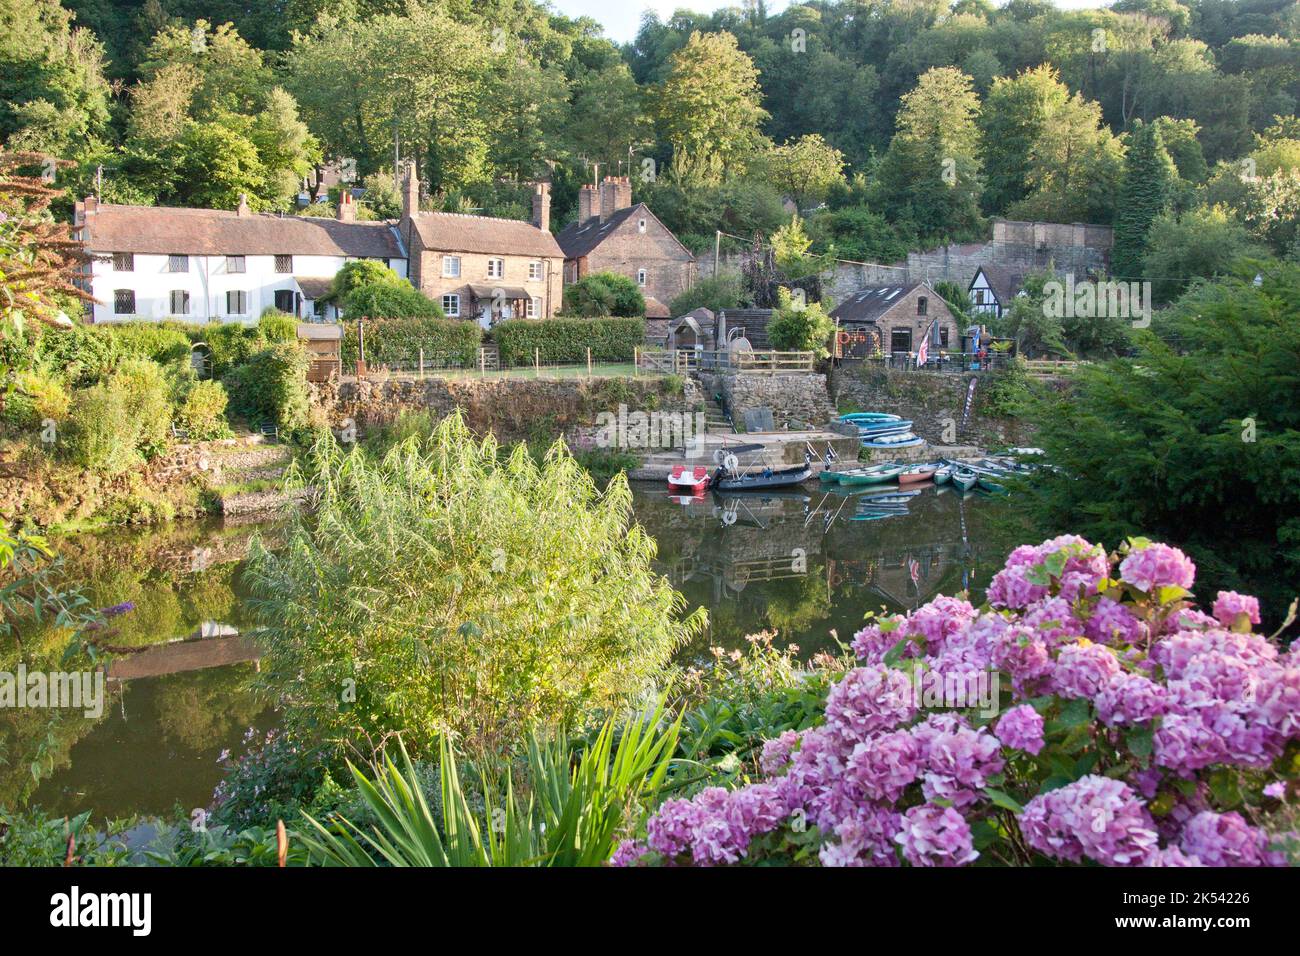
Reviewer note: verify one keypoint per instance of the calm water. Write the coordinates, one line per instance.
(803, 565)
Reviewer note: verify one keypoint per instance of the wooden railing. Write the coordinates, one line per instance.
(1046, 367)
(686, 361)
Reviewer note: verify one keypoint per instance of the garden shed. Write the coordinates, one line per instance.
(324, 343)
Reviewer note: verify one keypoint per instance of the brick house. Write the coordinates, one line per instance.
(892, 319)
(611, 234)
(478, 267)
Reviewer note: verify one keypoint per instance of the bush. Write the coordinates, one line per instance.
(160, 341)
(231, 344)
(102, 432)
(145, 390)
(1121, 727)
(806, 329)
(36, 396)
(276, 326)
(470, 596)
(85, 354)
(202, 413)
(389, 300)
(604, 293)
(272, 387)
(360, 272)
(567, 340)
(399, 341)
(715, 294)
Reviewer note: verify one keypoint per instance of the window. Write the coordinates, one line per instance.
(534, 272)
(284, 265)
(124, 302)
(451, 267)
(496, 268)
(943, 337)
(178, 263)
(923, 306)
(236, 302)
(180, 302)
(451, 306)
(236, 265)
(900, 340)
(640, 226)
(534, 308)
(284, 300)
(124, 262)
(640, 277)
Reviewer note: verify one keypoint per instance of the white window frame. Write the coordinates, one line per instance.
(451, 305)
(499, 265)
(534, 307)
(535, 271)
(185, 302)
(451, 267)
(642, 277)
(242, 300)
(641, 225)
(236, 265)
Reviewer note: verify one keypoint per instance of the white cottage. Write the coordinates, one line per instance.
(150, 263)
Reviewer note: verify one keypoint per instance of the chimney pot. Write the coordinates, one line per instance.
(243, 209)
(542, 206)
(347, 211)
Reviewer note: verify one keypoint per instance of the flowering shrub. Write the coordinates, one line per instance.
(1131, 729)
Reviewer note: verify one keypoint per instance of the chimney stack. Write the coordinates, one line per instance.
(410, 193)
(588, 204)
(542, 206)
(243, 209)
(615, 194)
(347, 206)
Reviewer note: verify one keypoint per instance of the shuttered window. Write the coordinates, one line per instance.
(180, 302)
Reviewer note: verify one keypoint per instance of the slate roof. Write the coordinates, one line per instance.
(1004, 283)
(458, 232)
(871, 302)
(163, 230)
(581, 239)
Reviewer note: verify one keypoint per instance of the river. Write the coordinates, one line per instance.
(804, 565)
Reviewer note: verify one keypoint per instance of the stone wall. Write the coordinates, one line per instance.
(513, 409)
(932, 400)
(792, 396)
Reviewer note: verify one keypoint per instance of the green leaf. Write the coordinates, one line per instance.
(1003, 800)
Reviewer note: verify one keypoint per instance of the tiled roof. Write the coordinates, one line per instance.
(163, 230)
(870, 303)
(314, 287)
(1004, 283)
(456, 232)
(654, 309)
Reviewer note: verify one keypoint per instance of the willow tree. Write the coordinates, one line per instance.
(442, 589)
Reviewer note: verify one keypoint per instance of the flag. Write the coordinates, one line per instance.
(914, 570)
(923, 353)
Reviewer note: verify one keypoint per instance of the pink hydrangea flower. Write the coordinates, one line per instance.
(1021, 728)
(1157, 566)
(1226, 839)
(1130, 699)
(1229, 604)
(1096, 817)
(936, 836)
(1083, 669)
(869, 699)
(776, 752)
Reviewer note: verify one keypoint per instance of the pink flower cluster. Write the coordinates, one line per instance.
(886, 783)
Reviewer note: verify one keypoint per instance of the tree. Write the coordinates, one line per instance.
(708, 109)
(383, 298)
(799, 327)
(931, 172)
(1145, 193)
(790, 249)
(806, 169)
(714, 293)
(606, 116)
(1201, 243)
(53, 95)
(604, 293)
(1185, 442)
(360, 272)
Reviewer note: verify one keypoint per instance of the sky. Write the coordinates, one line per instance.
(621, 18)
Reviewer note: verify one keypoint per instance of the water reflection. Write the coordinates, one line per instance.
(802, 563)
(805, 563)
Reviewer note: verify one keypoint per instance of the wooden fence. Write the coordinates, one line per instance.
(686, 361)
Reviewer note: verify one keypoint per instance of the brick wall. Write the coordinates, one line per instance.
(428, 278)
(669, 268)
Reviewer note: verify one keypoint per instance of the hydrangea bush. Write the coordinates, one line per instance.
(1131, 729)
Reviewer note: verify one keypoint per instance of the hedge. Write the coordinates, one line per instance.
(567, 340)
(399, 341)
